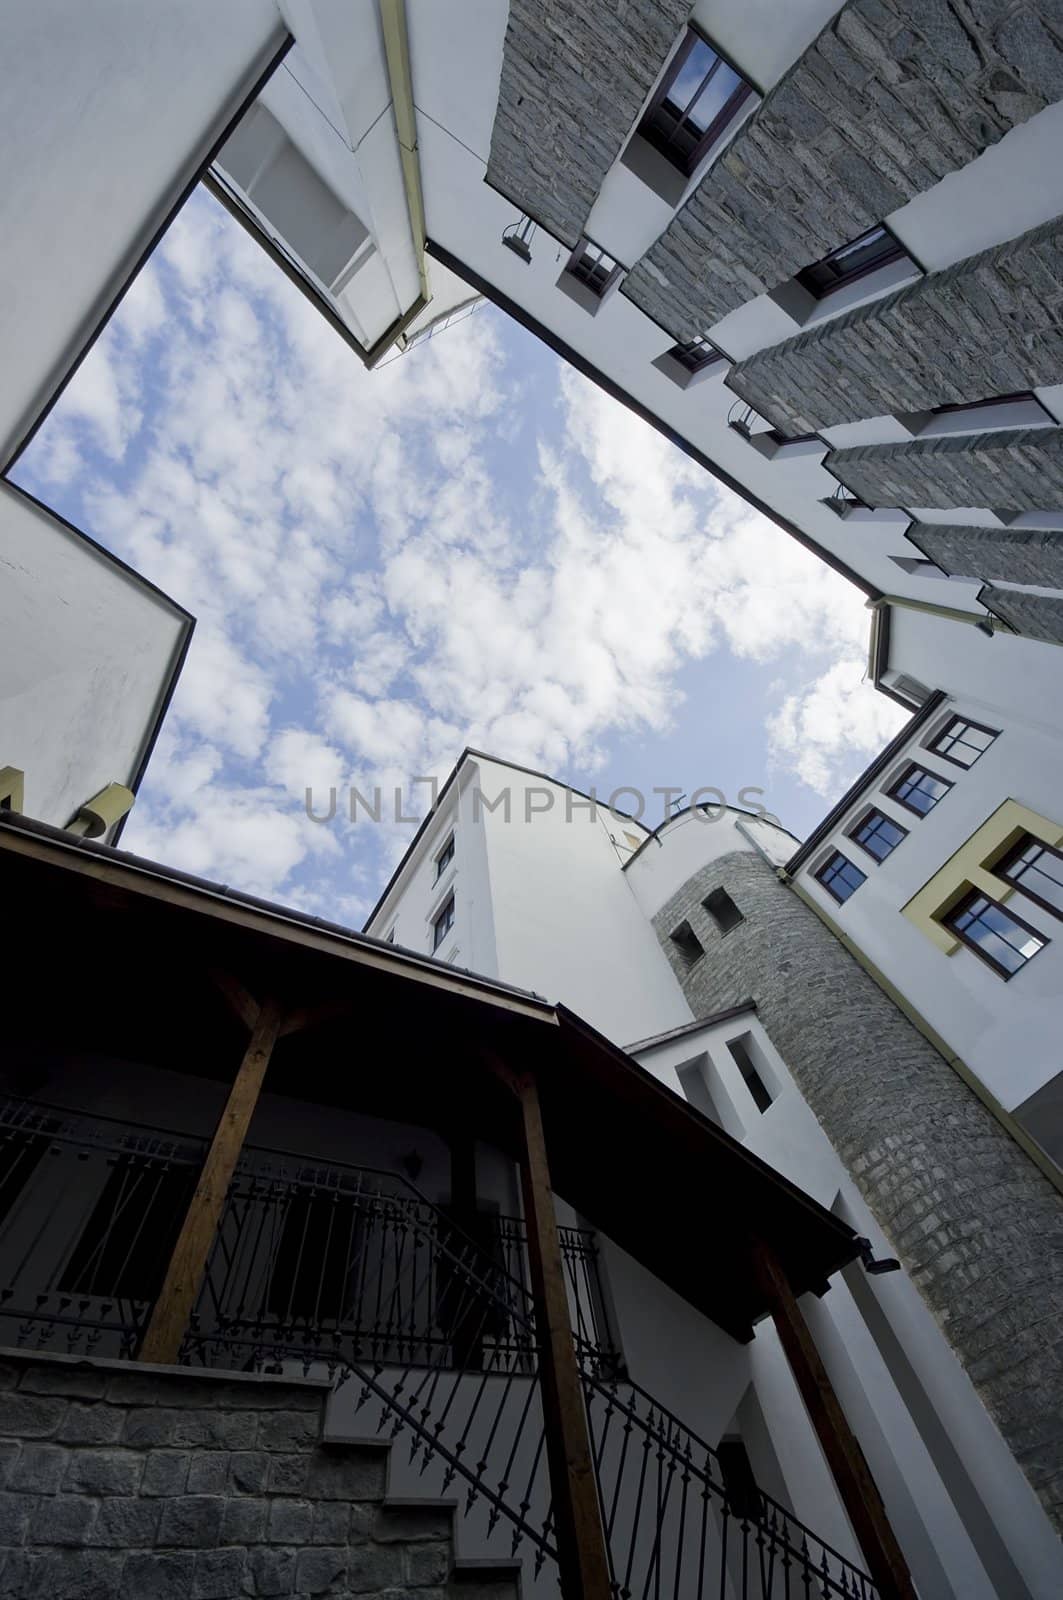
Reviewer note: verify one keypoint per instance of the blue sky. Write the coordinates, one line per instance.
(470, 545)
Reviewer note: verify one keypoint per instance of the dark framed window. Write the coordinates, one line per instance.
(999, 937)
(873, 249)
(1037, 869)
(722, 910)
(442, 923)
(878, 834)
(444, 858)
(919, 790)
(314, 1270)
(592, 266)
(962, 742)
(699, 96)
(687, 943)
(840, 877)
(696, 354)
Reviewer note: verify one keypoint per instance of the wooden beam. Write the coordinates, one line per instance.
(173, 1308)
(582, 1555)
(852, 1475)
(244, 1006)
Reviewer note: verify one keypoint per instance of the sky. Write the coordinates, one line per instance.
(471, 544)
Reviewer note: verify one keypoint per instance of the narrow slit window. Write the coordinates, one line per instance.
(962, 742)
(1002, 940)
(444, 858)
(699, 97)
(442, 923)
(840, 877)
(687, 943)
(919, 790)
(878, 834)
(722, 910)
(1037, 869)
(742, 1056)
(873, 249)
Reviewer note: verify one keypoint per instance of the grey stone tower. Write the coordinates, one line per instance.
(978, 1227)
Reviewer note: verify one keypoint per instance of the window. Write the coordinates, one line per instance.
(962, 742)
(741, 1054)
(839, 877)
(444, 858)
(1037, 869)
(1003, 941)
(919, 790)
(872, 250)
(698, 98)
(442, 923)
(696, 354)
(313, 1274)
(591, 266)
(687, 943)
(878, 834)
(722, 910)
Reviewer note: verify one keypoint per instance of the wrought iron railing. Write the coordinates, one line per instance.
(428, 1330)
(89, 1209)
(676, 1526)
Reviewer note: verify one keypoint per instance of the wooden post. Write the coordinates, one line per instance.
(177, 1297)
(584, 1563)
(852, 1475)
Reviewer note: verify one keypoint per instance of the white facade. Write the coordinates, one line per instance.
(89, 654)
(543, 900)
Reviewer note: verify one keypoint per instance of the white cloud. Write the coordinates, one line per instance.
(387, 566)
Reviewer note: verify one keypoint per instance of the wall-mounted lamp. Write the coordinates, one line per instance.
(518, 237)
(876, 1267)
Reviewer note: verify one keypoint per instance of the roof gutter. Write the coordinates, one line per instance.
(400, 78)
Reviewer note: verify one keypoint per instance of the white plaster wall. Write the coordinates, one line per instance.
(566, 923)
(105, 113)
(87, 652)
(1013, 675)
(1007, 1032)
(690, 842)
(968, 1520)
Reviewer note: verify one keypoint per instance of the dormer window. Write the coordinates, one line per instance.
(696, 354)
(699, 96)
(873, 249)
(593, 267)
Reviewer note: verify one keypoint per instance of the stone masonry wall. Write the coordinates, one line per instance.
(990, 325)
(164, 1484)
(972, 1219)
(892, 96)
(1036, 616)
(574, 76)
(1007, 555)
(1020, 470)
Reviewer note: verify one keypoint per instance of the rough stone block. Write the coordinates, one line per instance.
(290, 1522)
(164, 1576)
(428, 1563)
(248, 1471)
(208, 1473)
(374, 1567)
(219, 1574)
(103, 1472)
(165, 1472)
(91, 1424)
(270, 1572)
(63, 1520)
(411, 1522)
(244, 1521)
(127, 1523)
(192, 1520)
(31, 1416)
(287, 1430)
(82, 1383)
(320, 1571)
(287, 1474)
(40, 1469)
(10, 1450)
(341, 1474)
(15, 1510)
